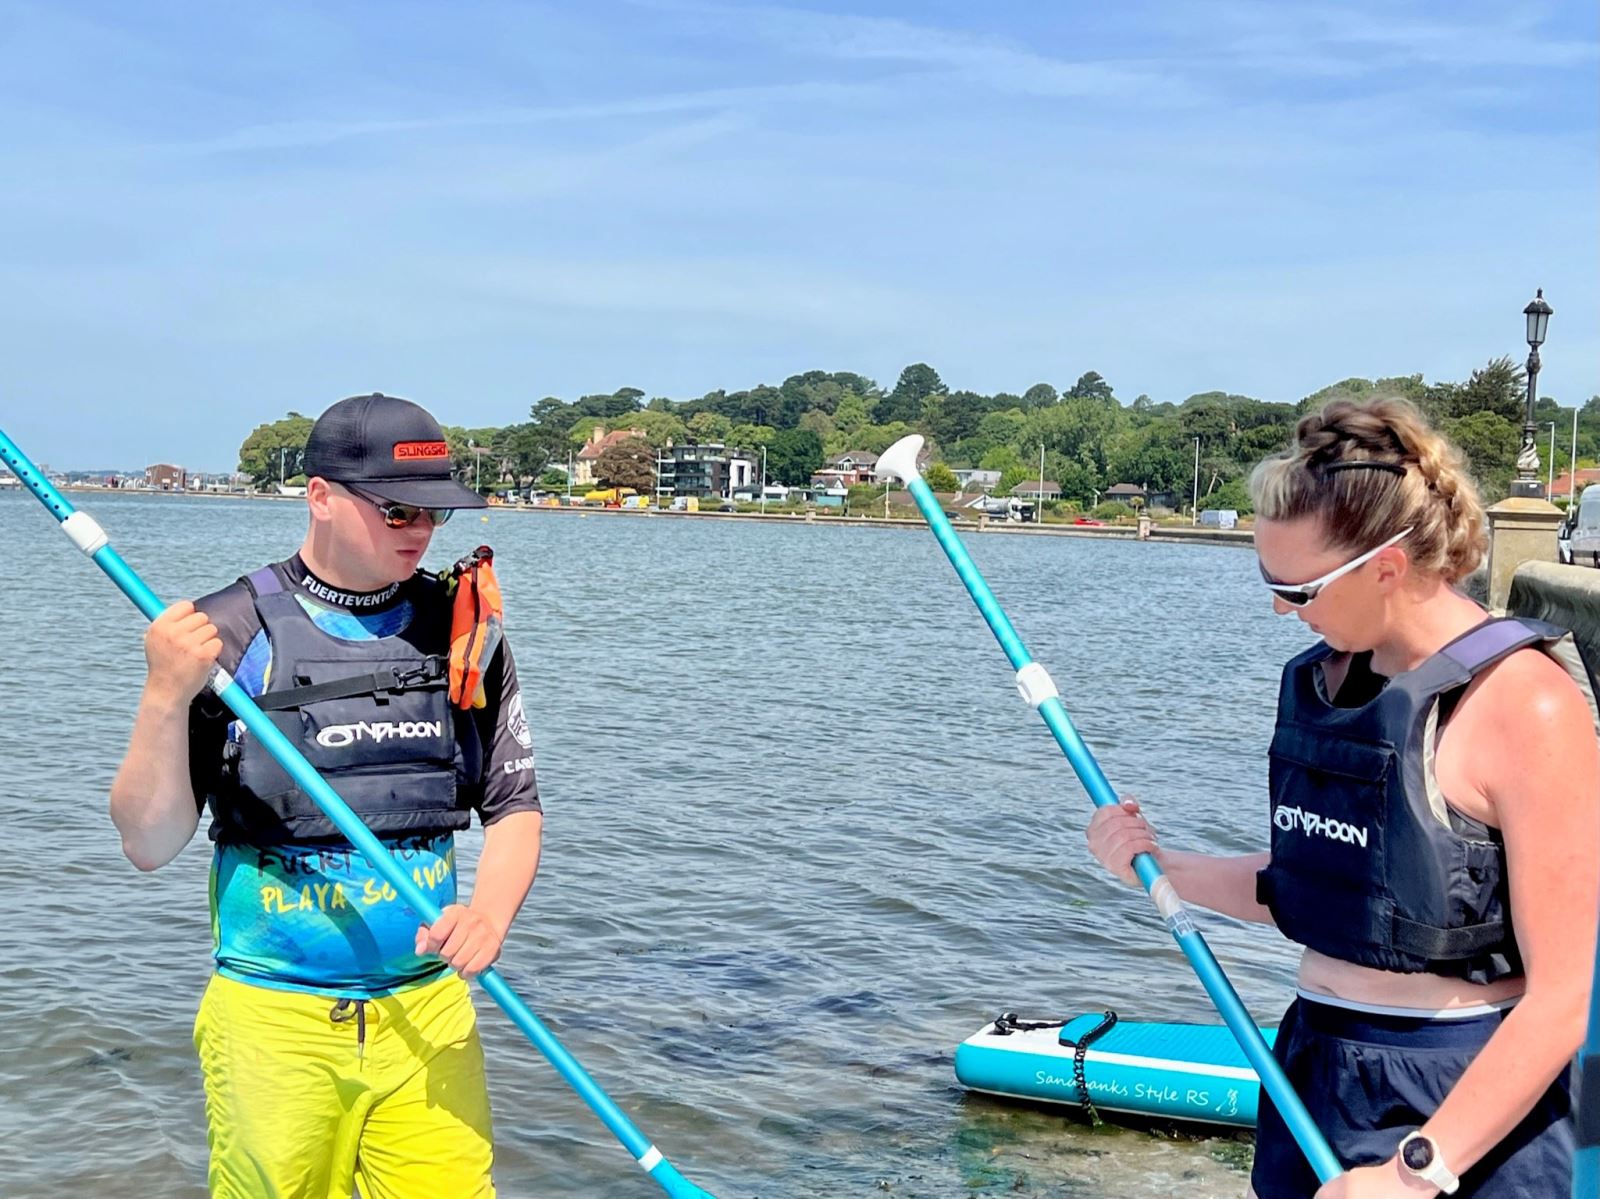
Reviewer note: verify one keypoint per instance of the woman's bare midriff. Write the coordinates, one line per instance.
(1322, 975)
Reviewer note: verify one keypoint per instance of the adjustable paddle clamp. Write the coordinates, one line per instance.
(85, 533)
(1035, 685)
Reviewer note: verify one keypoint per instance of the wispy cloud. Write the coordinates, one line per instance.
(308, 134)
(992, 62)
(1356, 40)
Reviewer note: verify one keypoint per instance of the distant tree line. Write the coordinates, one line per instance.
(1090, 438)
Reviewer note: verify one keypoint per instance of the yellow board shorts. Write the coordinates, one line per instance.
(306, 1100)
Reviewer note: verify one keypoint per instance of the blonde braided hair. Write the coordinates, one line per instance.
(1431, 491)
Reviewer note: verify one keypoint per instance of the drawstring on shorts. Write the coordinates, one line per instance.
(341, 1014)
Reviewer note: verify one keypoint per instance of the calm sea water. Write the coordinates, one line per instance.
(802, 840)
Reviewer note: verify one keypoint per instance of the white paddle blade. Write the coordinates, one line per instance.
(899, 461)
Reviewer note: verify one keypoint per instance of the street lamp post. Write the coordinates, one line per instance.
(1194, 503)
(1526, 484)
(1572, 463)
(1550, 469)
(763, 480)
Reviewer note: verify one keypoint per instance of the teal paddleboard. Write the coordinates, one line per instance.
(1191, 1073)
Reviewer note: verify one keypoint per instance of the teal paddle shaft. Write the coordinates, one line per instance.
(92, 540)
(1039, 690)
(1586, 1165)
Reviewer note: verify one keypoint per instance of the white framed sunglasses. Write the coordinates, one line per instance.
(1298, 595)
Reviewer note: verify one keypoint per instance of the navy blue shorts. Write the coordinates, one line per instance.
(1368, 1080)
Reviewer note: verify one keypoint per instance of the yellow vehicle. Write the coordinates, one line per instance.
(612, 496)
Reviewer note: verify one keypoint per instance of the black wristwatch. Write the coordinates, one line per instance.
(1420, 1156)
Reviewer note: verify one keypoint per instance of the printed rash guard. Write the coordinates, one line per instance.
(318, 917)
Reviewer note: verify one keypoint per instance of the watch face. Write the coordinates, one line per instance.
(1417, 1153)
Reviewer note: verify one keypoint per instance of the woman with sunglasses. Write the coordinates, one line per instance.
(1435, 831)
(337, 1040)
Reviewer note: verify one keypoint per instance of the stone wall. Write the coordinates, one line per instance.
(1565, 595)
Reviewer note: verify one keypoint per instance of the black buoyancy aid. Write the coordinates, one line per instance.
(372, 716)
(1369, 865)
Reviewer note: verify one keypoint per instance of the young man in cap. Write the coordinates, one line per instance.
(337, 1039)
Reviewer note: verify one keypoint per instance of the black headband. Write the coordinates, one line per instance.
(1393, 468)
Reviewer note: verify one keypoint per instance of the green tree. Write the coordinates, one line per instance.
(274, 452)
(1156, 456)
(751, 437)
(1003, 428)
(917, 382)
(940, 477)
(628, 463)
(1206, 416)
(851, 414)
(820, 423)
(1232, 494)
(622, 402)
(877, 438)
(553, 412)
(793, 456)
(658, 427)
(1501, 387)
(525, 449)
(1090, 386)
(1040, 395)
(1490, 443)
(950, 418)
(709, 426)
(1078, 482)
(1012, 476)
(1077, 428)
(472, 455)
(1002, 458)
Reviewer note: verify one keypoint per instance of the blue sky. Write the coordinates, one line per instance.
(216, 213)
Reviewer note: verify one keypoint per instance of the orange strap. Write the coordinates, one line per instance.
(477, 625)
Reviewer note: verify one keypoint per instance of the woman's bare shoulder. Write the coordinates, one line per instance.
(1529, 686)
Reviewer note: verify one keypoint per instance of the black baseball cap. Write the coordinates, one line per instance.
(389, 447)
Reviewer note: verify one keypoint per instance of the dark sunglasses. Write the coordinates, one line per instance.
(400, 516)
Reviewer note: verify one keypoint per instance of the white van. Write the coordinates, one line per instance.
(1584, 538)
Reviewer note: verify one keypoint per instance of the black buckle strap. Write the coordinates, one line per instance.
(1447, 944)
(432, 674)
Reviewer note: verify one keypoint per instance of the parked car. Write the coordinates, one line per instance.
(1087, 520)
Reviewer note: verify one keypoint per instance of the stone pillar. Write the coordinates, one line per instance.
(1144, 526)
(1520, 530)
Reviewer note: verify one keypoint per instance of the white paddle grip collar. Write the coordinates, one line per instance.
(86, 533)
(1035, 685)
